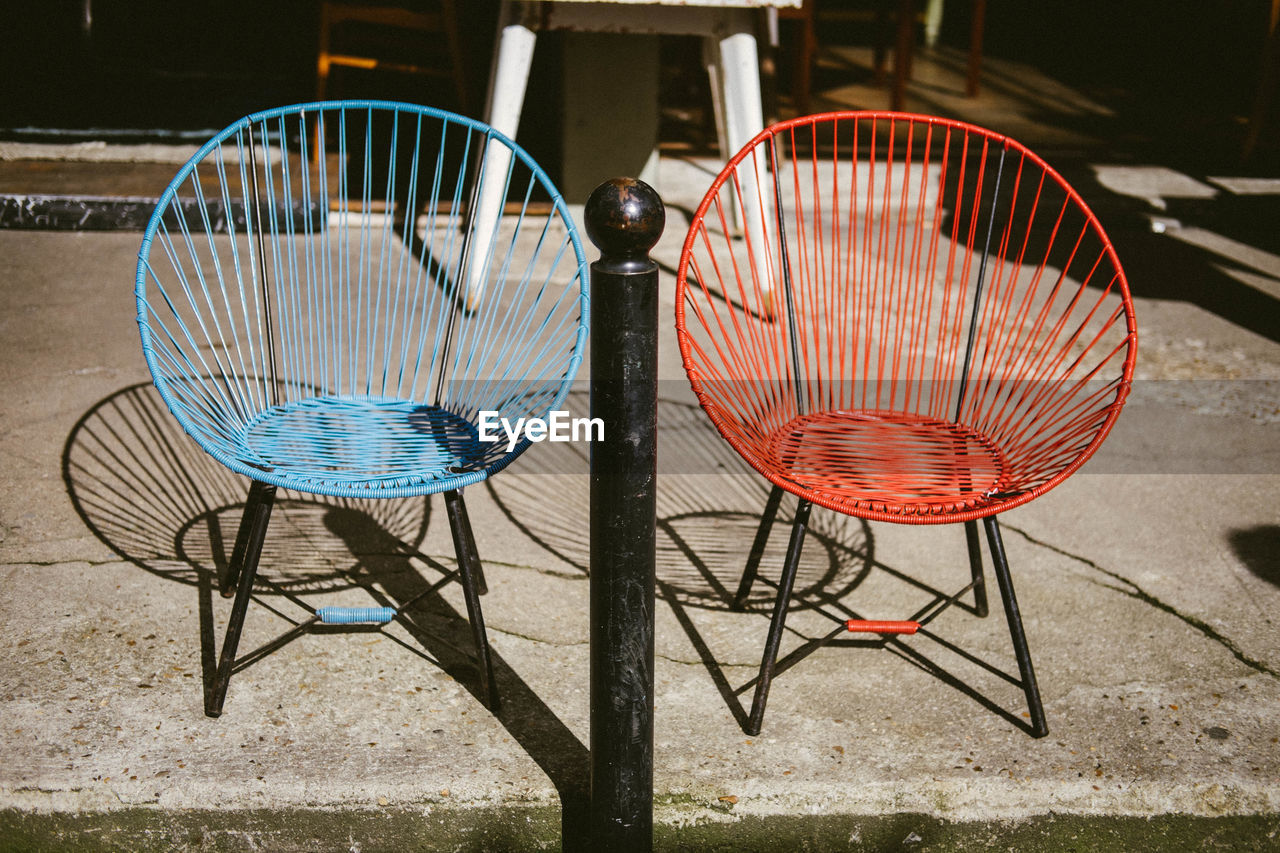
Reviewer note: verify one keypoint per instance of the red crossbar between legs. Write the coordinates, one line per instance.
(881, 626)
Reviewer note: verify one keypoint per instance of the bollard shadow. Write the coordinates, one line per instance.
(149, 494)
(444, 636)
(708, 509)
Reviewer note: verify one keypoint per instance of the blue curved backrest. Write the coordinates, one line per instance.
(324, 306)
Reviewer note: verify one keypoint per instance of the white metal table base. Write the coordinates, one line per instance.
(731, 38)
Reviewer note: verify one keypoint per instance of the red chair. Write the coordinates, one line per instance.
(935, 330)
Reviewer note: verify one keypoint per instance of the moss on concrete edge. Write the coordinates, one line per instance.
(509, 828)
(538, 827)
(916, 833)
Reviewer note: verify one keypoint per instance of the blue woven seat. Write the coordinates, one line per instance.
(321, 311)
(377, 445)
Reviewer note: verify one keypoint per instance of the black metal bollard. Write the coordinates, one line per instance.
(624, 218)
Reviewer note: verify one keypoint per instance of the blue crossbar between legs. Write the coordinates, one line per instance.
(355, 615)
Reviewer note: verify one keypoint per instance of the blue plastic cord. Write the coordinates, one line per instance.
(355, 615)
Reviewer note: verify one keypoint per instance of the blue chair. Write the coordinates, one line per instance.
(300, 299)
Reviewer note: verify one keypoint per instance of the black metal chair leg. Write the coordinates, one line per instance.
(785, 583)
(980, 606)
(757, 548)
(1039, 727)
(258, 492)
(464, 524)
(469, 571)
(244, 568)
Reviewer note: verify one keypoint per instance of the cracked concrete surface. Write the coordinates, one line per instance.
(1148, 583)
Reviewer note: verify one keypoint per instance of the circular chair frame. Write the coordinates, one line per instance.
(355, 487)
(723, 418)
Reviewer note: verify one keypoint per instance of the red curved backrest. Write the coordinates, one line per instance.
(922, 275)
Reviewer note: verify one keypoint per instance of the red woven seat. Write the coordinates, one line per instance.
(935, 328)
(886, 463)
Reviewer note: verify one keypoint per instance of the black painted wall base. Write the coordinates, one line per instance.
(106, 213)
(69, 213)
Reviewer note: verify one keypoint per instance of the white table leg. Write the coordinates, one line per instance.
(711, 62)
(932, 22)
(743, 119)
(508, 80)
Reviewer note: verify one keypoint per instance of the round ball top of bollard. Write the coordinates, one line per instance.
(624, 218)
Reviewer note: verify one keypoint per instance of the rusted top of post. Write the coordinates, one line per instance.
(624, 218)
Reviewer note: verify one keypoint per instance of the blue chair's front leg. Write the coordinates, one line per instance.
(241, 574)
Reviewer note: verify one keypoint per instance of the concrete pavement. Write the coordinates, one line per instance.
(1149, 584)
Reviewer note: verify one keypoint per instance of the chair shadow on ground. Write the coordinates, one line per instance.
(708, 508)
(156, 500)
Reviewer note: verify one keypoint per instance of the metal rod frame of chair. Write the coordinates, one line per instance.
(954, 338)
(299, 301)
